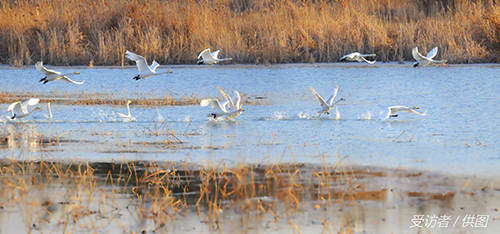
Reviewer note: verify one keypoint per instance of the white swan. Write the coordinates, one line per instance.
(390, 110)
(423, 61)
(230, 108)
(328, 104)
(210, 58)
(358, 57)
(51, 75)
(145, 71)
(234, 103)
(20, 110)
(128, 115)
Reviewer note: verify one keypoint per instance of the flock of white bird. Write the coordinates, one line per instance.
(231, 106)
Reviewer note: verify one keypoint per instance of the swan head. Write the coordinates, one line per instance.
(169, 71)
(77, 72)
(129, 101)
(415, 107)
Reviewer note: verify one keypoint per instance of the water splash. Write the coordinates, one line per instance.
(337, 114)
(159, 117)
(365, 116)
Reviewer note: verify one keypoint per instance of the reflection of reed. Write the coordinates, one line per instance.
(22, 136)
(167, 196)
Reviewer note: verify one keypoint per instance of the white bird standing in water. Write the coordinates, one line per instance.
(357, 57)
(128, 115)
(51, 75)
(328, 104)
(145, 71)
(20, 110)
(210, 58)
(423, 61)
(390, 110)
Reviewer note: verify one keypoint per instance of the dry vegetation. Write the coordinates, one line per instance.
(70, 32)
(53, 196)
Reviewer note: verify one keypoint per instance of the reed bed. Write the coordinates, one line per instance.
(82, 32)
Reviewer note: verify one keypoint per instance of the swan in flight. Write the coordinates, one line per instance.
(423, 61)
(145, 71)
(328, 104)
(128, 115)
(210, 58)
(20, 110)
(390, 110)
(230, 108)
(358, 57)
(51, 75)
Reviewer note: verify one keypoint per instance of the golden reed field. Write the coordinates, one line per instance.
(88, 32)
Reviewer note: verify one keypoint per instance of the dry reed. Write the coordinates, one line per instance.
(71, 32)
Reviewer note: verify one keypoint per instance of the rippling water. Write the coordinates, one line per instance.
(459, 133)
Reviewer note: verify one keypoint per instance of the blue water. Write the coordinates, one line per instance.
(459, 133)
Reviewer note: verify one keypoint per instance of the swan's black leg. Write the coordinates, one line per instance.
(45, 82)
(215, 116)
(137, 77)
(393, 116)
(43, 79)
(13, 117)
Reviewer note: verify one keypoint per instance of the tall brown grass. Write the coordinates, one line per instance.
(70, 32)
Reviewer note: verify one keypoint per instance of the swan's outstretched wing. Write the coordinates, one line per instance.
(15, 108)
(29, 102)
(205, 54)
(140, 61)
(215, 54)
(321, 101)
(416, 55)
(154, 65)
(236, 99)
(227, 97)
(385, 113)
(432, 53)
(332, 95)
(66, 79)
(370, 62)
(214, 103)
(39, 67)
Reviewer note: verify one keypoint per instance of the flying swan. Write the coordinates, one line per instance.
(390, 110)
(142, 65)
(210, 58)
(328, 104)
(51, 75)
(358, 57)
(230, 108)
(423, 61)
(20, 110)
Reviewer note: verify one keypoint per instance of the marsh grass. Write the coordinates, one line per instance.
(88, 195)
(71, 32)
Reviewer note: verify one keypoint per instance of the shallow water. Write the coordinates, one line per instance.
(457, 135)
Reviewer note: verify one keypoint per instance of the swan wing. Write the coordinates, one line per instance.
(123, 115)
(15, 108)
(227, 97)
(416, 55)
(215, 54)
(66, 79)
(214, 103)
(39, 67)
(29, 102)
(432, 53)
(418, 113)
(321, 101)
(332, 95)
(154, 65)
(140, 61)
(236, 99)
(205, 54)
(385, 113)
